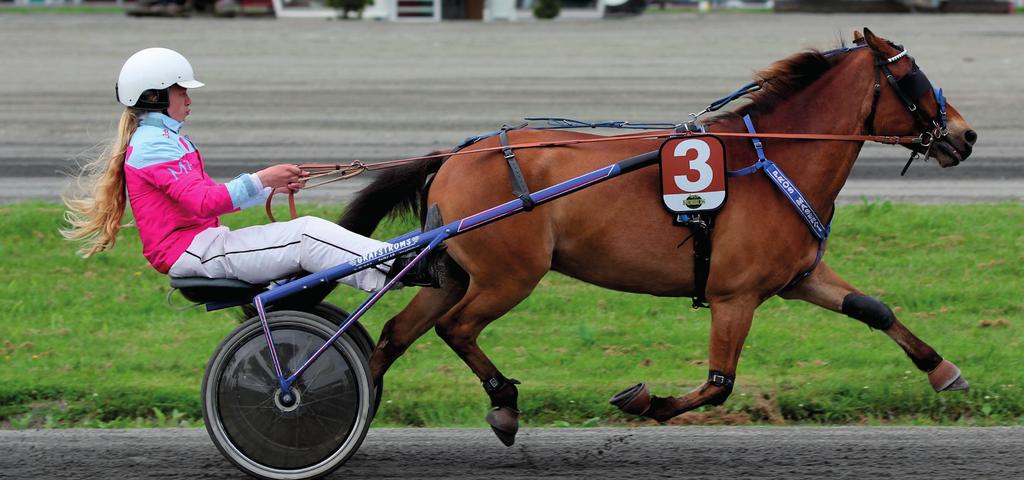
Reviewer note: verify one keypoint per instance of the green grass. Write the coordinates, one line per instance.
(93, 343)
(61, 9)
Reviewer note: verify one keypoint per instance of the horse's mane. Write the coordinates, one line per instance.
(781, 80)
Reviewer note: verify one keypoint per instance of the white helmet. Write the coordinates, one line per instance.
(153, 69)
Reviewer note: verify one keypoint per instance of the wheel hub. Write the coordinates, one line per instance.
(287, 401)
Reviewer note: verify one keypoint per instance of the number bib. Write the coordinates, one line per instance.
(693, 174)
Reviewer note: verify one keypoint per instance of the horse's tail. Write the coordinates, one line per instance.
(395, 191)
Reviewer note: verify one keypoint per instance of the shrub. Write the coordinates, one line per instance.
(547, 9)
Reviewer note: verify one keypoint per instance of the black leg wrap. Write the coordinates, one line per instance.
(495, 388)
(724, 381)
(869, 310)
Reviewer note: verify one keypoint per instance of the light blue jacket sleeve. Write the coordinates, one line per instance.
(247, 190)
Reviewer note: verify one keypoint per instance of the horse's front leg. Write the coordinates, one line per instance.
(828, 290)
(730, 323)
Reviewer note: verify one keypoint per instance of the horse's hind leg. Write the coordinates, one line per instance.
(412, 322)
(460, 328)
(827, 289)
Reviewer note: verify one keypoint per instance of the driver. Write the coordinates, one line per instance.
(177, 206)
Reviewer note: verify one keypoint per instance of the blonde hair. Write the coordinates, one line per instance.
(95, 210)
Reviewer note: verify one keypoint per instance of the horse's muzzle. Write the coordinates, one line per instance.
(949, 151)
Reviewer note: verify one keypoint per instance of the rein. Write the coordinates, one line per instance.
(319, 170)
(342, 171)
(911, 86)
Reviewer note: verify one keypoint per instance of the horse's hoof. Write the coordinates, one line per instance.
(946, 378)
(958, 385)
(504, 421)
(635, 400)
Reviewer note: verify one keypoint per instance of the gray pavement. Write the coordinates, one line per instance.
(596, 453)
(314, 90)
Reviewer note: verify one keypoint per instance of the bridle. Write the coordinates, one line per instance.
(908, 88)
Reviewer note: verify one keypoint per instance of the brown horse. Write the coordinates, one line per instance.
(618, 236)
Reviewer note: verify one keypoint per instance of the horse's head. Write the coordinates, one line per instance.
(906, 101)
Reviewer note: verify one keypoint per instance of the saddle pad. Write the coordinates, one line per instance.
(693, 175)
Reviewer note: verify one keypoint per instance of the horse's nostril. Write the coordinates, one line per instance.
(971, 137)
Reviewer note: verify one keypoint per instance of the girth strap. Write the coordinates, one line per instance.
(519, 187)
(701, 226)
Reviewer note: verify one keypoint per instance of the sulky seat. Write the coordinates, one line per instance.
(218, 293)
(217, 290)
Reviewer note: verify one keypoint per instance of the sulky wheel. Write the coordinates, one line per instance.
(337, 315)
(268, 435)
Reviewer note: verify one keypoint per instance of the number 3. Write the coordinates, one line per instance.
(699, 164)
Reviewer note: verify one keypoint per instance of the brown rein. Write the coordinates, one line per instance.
(318, 170)
(349, 170)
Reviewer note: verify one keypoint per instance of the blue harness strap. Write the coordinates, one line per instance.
(940, 99)
(792, 193)
(758, 146)
(476, 138)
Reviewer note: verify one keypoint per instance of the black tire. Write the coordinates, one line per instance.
(254, 431)
(337, 315)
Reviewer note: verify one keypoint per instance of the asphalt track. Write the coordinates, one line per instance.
(332, 91)
(599, 453)
(302, 90)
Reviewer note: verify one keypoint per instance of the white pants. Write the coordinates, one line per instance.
(263, 253)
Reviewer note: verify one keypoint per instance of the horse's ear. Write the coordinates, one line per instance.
(874, 41)
(858, 39)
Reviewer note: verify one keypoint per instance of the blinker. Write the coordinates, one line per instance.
(914, 84)
(910, 88)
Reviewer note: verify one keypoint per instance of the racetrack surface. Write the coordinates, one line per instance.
(330, 91)
(595, 453)
(318, 91)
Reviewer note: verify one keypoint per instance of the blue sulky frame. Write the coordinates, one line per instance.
(426, 241)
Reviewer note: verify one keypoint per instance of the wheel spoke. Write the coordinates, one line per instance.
(314, 402)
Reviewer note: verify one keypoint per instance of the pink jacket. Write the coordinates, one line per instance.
(171, 196)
